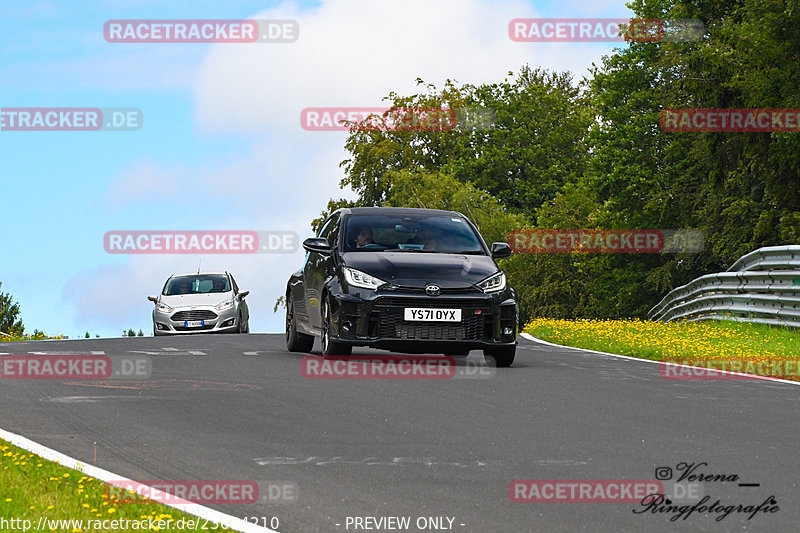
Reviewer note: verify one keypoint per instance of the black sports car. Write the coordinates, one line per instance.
(402, 279)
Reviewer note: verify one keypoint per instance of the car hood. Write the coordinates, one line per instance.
(413, 269)
(184, 300)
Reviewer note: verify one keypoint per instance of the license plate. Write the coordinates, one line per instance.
(425, 314)
(194, 323)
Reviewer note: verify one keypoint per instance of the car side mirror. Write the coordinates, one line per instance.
(242, 294)
(153, 299)
(317, 244)
(500, 250)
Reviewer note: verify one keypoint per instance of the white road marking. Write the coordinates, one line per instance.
(93, 399)
(206, 513)
(69, 353)
(368, 461)
(169, 351)
(753, 377)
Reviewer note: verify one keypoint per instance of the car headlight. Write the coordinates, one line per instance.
(227, 304)
(163, 308)
(494, 283)
(356, 278)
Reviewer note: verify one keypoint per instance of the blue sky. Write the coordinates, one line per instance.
(221, 146)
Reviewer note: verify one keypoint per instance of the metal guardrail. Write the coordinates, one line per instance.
(762, 286)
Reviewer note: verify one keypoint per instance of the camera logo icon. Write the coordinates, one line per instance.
(663, 473)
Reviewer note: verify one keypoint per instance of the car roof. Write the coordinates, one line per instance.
(395, 211)
(198, 274)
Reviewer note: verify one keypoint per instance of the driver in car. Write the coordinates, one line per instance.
(364, 237)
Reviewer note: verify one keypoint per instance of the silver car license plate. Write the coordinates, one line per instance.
(426, 314)
(194, 323)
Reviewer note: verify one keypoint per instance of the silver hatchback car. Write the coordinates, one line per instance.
(207, 302)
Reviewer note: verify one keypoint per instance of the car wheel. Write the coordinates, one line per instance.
(295, 342)
(503, 356)
(241, 327)
(329, 346)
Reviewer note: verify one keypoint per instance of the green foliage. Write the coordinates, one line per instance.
(333, 205)
(9, 316)
(557, 155)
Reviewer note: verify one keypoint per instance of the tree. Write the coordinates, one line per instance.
(531, 143)
(9, 313)
(87, 336)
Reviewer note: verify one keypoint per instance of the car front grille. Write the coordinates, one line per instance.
(433, 301)
(197, 314)
(391, 324)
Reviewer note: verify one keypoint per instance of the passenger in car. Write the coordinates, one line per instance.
(425, 237)
(219, 285)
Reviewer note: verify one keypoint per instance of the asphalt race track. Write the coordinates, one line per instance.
(236, 407)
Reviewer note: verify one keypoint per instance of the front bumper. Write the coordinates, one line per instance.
(376, 319)
(184, 320)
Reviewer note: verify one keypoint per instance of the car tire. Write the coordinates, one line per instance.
(295, 341)
(242, 327)
(329, 346)
(503, 356)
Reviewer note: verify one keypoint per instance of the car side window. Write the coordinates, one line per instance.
(331, 230)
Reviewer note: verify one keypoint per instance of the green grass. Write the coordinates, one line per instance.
(32, 487)
(25, 338)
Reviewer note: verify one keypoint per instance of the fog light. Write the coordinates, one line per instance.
(161, 326)
(347, 326)
(508, 331)
(227, 323)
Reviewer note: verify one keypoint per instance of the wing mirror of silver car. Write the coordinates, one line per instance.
(242, 294)
(153, 299)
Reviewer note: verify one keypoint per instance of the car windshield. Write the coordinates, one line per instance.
(197, 284)
(410, 233)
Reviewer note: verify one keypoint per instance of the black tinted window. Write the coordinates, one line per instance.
(439, 233)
